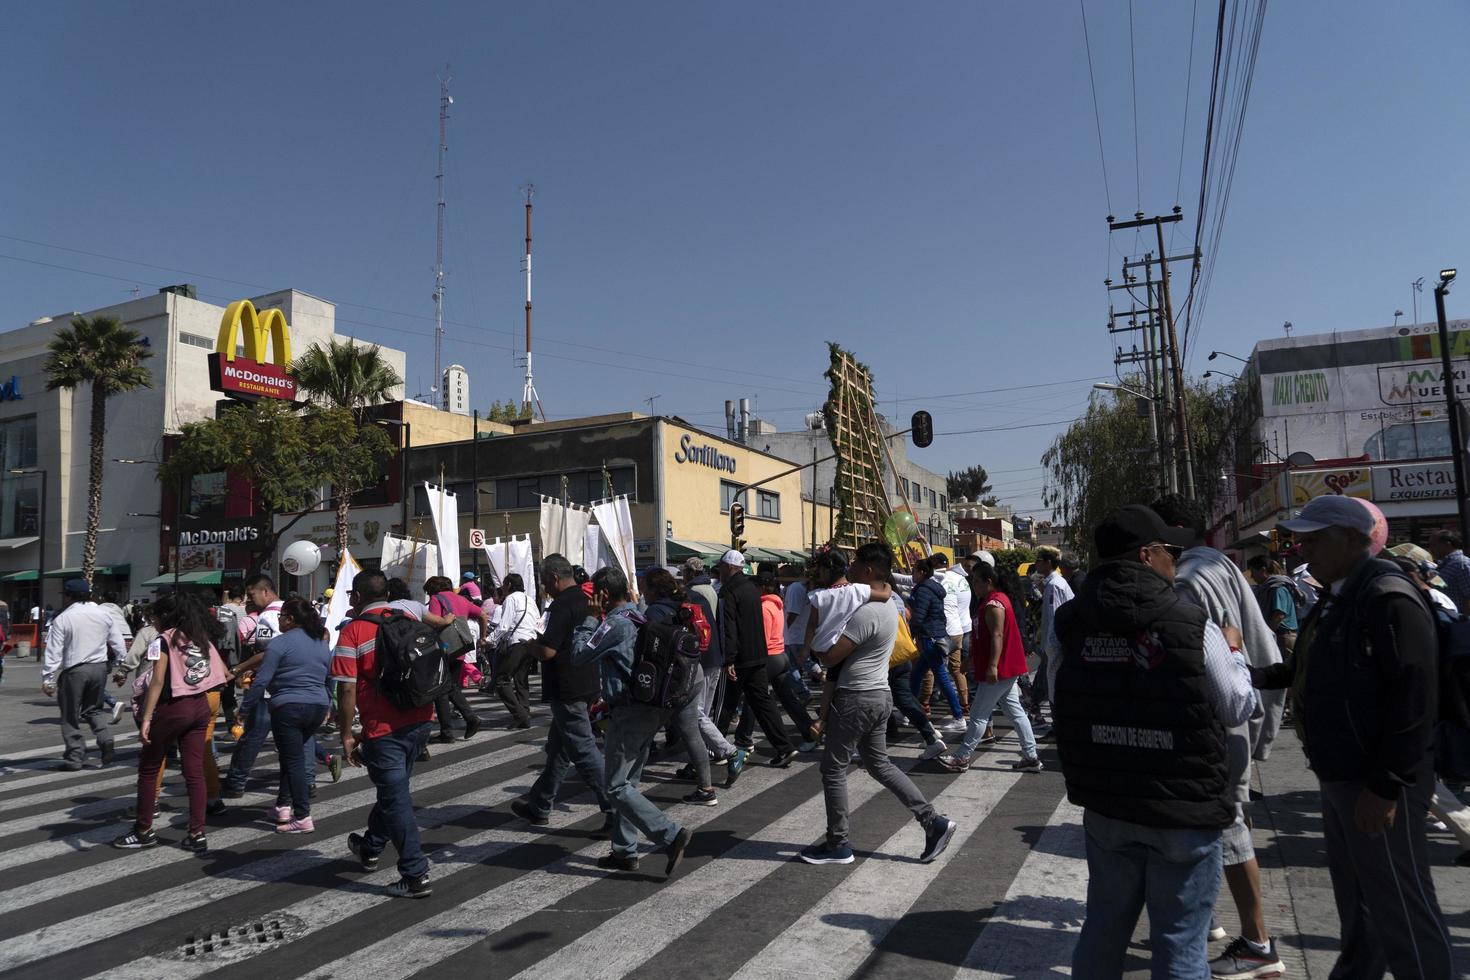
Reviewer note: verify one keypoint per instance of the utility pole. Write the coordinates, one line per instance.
(445, 101)
(1452, 401)
(1169, 339)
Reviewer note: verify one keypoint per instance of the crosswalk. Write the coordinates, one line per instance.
(511, 900)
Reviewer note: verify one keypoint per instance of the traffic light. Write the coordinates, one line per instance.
(737, 520)
(922, 425)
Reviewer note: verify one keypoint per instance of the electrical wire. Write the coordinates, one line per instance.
(1096, 113)
(1184, 130)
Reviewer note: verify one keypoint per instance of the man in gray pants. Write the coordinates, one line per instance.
(75, 671)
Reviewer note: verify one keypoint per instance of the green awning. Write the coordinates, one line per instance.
(679, 550)
(26, 576)
(186, 578)
(754, 553)
(118, 570)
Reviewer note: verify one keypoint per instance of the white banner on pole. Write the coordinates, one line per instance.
(563, 530)
(444, 508)
(513, 555)
(594, 555)
(616, 521)
(409, 559)
(341, 601)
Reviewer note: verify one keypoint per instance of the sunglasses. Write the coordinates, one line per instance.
(1172, 550)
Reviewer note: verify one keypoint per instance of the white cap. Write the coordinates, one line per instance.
(986, 557)
(733, 557)
(1331, 510)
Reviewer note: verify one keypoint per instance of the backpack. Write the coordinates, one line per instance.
(699, 625)
(413, 669)
(229, 644)
(1454, 650)
(666, 663)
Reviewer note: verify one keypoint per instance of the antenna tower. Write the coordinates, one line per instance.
(530, 401)
(445, 101)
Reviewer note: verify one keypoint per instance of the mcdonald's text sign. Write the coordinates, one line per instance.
(250, 375)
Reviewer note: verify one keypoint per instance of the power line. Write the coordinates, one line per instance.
(1010, 428)
(1096, 114)
(1184, 130)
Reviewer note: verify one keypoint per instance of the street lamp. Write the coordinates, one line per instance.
(40, 530)
(1220, 353)
(1396, 315)
(407, 428)
(1457, 437)
(1227, 374)
(1109, 386)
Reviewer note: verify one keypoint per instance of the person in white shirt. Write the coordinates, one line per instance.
(1054, 593)
(81, 640)
(798, 614)
(517, 624)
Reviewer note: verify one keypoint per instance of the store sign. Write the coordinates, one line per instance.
(1263, 503)
(706, 455)
(238, 534)
(10, 390)
(1416, 481)
(202, 558)
(249, 376)
(1348, 482)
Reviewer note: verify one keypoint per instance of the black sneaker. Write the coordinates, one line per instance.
(1241, 961)
(197, 843)
(783, 759)
(1023, 764)
(216, 808)
(471, 727)
(135, 840)
(527, 813)
(686, 774)
(407, 887)
(702, 797)
(445, 738)
(108, 750)
(936, 838)
(616, 862)
(368, 861)
(231, 792)
(675, 850)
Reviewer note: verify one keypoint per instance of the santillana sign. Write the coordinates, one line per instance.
(248, 376)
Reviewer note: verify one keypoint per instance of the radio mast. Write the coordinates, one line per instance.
(445, 101)
(530, 401)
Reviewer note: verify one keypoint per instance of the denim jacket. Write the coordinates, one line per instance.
(609, 644)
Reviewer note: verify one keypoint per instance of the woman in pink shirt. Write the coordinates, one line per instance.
(446, 606)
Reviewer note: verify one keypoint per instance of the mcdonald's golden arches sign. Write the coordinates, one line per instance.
(249, 376)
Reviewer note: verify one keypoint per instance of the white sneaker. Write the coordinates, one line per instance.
(933, 750)
(955, 726)
(117, 710)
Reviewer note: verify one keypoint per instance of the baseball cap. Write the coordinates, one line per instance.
(733, 557)
(76, 586)
(468, 577)
(1330, 510)
(693, 565)
(1134, 526)
(939, 558)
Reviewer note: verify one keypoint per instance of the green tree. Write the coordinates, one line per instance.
(344, 379)
(971, 482)
(263, 443)
(1109, 458)
(101, 352)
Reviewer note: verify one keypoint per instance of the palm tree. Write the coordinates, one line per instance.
(348, 377)
(101, 352)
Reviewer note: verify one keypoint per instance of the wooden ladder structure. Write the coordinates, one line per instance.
(857, 439)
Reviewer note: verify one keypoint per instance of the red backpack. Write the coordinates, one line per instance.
(699, 625)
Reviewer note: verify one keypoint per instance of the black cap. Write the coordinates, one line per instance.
(1134, 526)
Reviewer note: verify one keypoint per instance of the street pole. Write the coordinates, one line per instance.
(403, 473)
(1457, 438)
(814, 500)
(475, 487)
(41, 561)
(1179, 413)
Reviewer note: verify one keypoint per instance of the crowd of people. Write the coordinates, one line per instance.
(1161, 675)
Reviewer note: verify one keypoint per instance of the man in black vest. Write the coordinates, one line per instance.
(1365, 698)
(1146, 688)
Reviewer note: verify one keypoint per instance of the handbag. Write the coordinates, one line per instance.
(904, 647)
(457, 638)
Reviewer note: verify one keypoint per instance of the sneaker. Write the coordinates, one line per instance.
(216, 808)
(686, 774)
(334, 766)
(810, 745)
(675, 850)
(955, 726)
(1048, 737)
(231, 792)
(1241, 961)
(197, 843)
(987, 737)
(783, 759)
(356, 845)
(445, 738)
(135, 840)
(936, 838)
(528, 813)
(616, 862)
(117, 710)
(423, 754)
(955, 763)
(734, 767)
(283, 814)
(107, 750)
(702, 797)
(825, 853)
(1217, 933)
(933, 750)
(407, 887)
(1024, 764)
(471, 727)
(301, 826)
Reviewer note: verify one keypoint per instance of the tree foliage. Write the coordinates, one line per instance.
(263, 443)
(1109, 457)
(972, 483)
(345, 375)
(507, 411)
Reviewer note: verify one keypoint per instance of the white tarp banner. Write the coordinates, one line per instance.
(616, 522)
(444, 508)
(513, 555)
(341, 601)
(409, 559)
(563, 530)
(594, 555)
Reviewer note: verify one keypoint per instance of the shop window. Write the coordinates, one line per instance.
(730, 493)
(18, 442)
(768, 505)
(941, 502)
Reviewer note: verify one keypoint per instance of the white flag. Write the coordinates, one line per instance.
(341, 600)
(409, 559)
(444, 508)
(513, 555)
(616, 521)
(563, 530)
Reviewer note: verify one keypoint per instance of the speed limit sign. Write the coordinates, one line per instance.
(477, 538)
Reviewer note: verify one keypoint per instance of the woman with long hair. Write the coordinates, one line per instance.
(445, 606)
(295, 673)
(185, 668)
(511, 638)
(999, 659)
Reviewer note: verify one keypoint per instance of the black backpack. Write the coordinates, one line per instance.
(413, 669)
(1454, 650)
(666, 663)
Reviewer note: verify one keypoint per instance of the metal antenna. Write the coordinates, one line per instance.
(445, 101)
(530, 401)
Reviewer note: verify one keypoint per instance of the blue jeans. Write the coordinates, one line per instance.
(293, 725)
(1175, 873)
(630, 733)
(933, 655)
(389, 760)
(983, 699)
(256, 712)
(569, 743)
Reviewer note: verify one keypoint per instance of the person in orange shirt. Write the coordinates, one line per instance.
(773, 617)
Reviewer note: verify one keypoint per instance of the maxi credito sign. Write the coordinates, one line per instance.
(248, 376)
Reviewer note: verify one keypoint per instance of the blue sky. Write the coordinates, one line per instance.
(723, 187)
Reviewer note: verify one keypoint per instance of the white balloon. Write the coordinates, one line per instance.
(301, 558)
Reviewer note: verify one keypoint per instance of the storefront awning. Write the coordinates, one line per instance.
(27, 576)
(767, 555)
(6, 544)
(115, 570)
(187, 578)
(680, 550)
